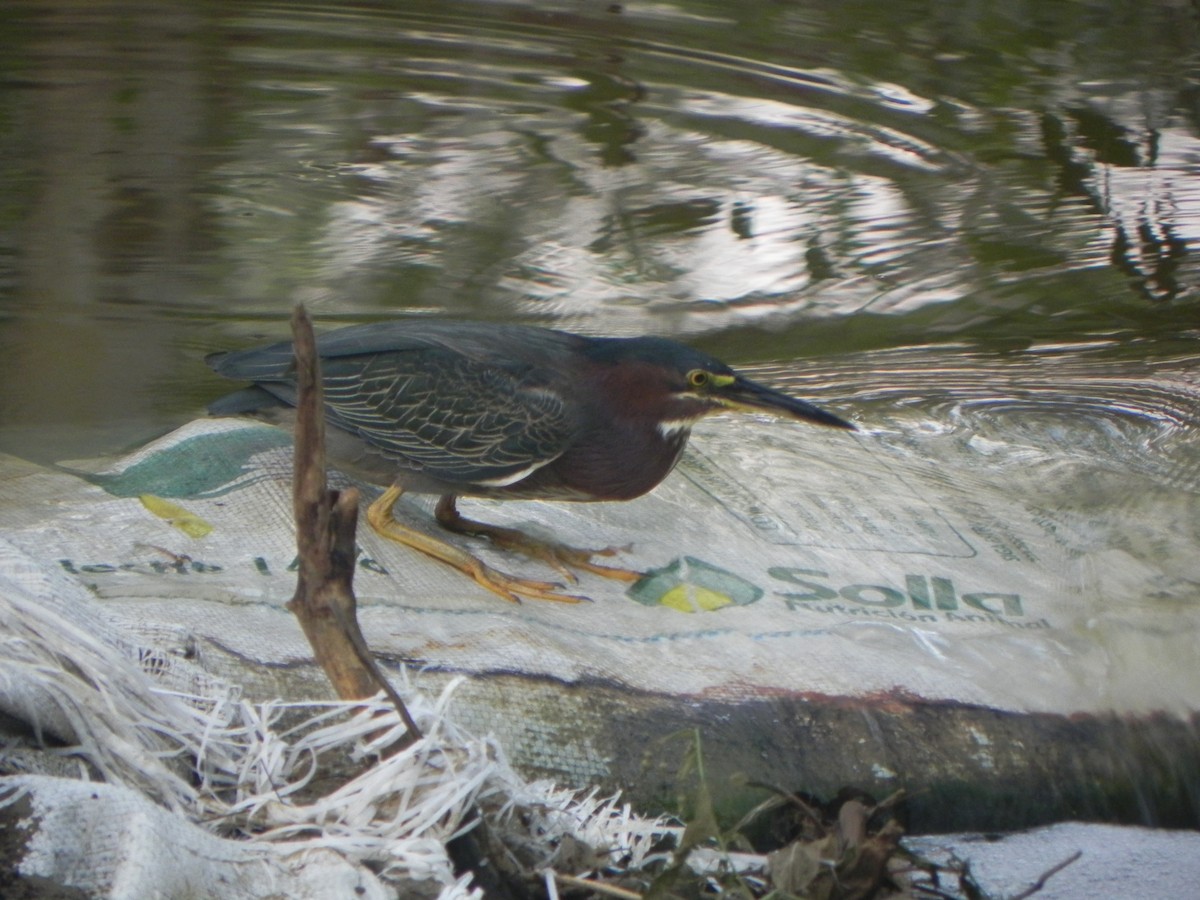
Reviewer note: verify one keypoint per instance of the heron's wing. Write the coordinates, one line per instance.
(435, 396)
(451, 417)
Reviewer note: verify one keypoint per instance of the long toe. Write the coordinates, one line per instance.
(510, 587)
(577, 558)
(563, 559)
(513, 588)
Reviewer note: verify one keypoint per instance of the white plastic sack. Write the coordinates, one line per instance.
(815, 600)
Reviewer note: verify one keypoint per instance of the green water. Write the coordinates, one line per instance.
(771, 181)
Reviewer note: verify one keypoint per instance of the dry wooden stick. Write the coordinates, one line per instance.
(1047, 875)
(326, 522)
(598, 887)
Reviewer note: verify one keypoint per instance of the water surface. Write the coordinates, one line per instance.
(971, 229)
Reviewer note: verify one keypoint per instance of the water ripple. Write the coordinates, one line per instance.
(1054, 407)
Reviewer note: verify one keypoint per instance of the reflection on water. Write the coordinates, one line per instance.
(773, 185)
(1061, 406)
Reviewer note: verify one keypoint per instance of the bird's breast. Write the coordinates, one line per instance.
(618, 462)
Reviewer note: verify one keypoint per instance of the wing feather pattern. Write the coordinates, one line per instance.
(451, 417)
(435, 396)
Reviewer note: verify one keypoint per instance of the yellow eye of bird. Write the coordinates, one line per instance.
(697, 378)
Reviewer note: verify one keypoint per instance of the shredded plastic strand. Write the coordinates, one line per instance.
(68, 672)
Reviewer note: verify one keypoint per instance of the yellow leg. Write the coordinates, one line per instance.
(379, 514)
(558, 556)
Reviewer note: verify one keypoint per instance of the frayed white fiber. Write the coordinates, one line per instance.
(65, 671)
(397, 813)
(233, 767)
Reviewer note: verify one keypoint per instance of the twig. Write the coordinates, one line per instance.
(1047, 875)
(326, 522)
(935, 891)
(814, 815)
(889, 801)
(598, 886)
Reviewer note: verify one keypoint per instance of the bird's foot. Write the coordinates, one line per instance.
(560, 557)
(513, 588)
(510, 587)
(564, 559)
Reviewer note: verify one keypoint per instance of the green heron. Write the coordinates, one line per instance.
(503, 411)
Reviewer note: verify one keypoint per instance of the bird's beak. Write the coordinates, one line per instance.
(750, 396)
